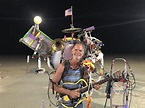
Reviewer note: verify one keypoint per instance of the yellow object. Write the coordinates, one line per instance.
(68, 39)
(81, 80)
(66, 98)
(57, 45)
(101, 72)
(74, 106)
(33, 40)
(89, 64)
(89, 102)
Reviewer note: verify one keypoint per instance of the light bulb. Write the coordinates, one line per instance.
(37, 20)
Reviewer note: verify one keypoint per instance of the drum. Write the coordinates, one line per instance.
(59, 56)
(56, 59)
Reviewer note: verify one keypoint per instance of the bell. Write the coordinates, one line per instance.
(57, 45)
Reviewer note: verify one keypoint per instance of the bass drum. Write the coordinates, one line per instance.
(58, 56)
(56, 59)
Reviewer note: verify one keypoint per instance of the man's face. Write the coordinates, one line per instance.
(78, 51)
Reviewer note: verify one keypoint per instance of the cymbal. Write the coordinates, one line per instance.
(71, 30)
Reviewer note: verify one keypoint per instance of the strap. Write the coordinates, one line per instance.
(52, 84)
(82, 70)
(66, 68)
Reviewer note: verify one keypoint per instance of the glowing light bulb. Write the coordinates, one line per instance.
(37, 20)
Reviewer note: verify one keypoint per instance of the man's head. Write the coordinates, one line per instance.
(78, 51)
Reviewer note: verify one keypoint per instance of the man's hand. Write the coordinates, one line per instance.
(74, 93)
(96, 86)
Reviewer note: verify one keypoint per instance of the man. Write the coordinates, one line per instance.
(70, 88)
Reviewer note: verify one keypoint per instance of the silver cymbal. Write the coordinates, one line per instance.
(72, 30)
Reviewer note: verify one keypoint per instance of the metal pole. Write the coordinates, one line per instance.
(72, 23)
(27, 70)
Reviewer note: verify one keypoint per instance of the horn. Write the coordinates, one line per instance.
(57, 44)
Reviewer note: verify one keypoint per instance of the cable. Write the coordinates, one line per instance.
(105, 103)
(48, 95)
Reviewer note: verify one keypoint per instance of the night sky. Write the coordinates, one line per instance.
(120, 24)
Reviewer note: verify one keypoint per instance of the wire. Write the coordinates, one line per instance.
(48, 95)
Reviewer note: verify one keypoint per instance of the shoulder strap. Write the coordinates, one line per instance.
(66, 68)
(82, 70)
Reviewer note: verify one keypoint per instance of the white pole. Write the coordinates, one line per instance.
(28, 58)
(0, 73)
(72, 23)
(39, 62)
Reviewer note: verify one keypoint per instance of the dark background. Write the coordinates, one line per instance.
(120, 24)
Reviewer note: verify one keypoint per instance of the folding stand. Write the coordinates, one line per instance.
(121, 94)
(121, 90)
(39, 70)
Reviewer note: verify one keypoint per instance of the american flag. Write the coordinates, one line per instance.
(68, 12)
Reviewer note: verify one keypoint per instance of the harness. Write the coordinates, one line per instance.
(67, 67)
(82, 70)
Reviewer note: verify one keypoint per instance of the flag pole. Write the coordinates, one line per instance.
(72, 24)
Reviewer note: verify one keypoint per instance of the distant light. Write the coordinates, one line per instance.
(37, 20)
